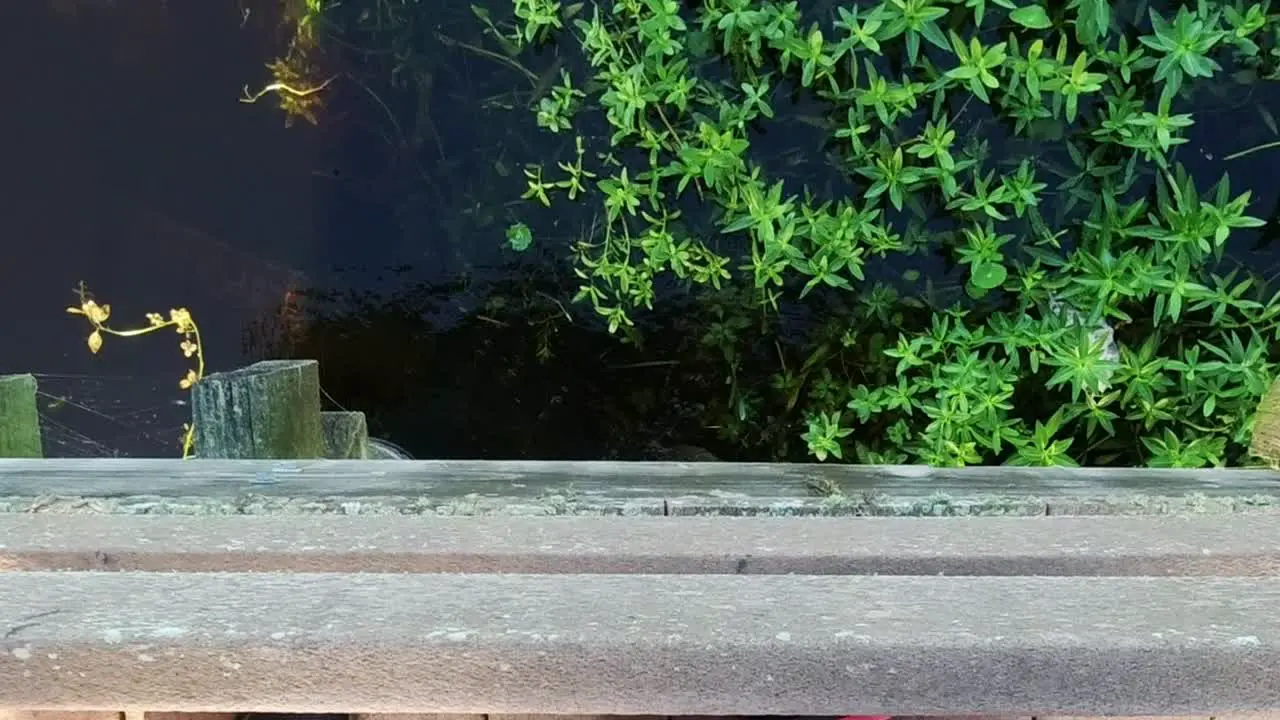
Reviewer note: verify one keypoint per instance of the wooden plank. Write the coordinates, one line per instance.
(58, 715)
(433, 716)
(414, 716)
(151, 715)
(498, 716)
(71, 715)
(1248, 546)
(638, 644)
(165, 715)
(1264, 715)
(607, 488)
(19, 418)
(270, 409)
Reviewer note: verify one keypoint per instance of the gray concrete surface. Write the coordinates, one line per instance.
(1047, 546)
(636, 488)
(638, 644)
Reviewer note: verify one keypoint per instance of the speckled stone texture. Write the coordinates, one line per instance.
(638, 644)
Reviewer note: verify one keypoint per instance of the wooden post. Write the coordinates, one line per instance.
(19, 421)
(269, 410)
(346, 435)
(1266, 427)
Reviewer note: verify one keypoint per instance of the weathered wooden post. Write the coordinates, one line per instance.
(346, 435)
(1266, 427)
(269, 410)
(19, 420)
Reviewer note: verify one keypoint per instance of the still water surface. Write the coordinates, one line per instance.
(133, 166)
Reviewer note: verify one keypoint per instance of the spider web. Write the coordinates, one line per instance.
(84, 416)
(111, 415)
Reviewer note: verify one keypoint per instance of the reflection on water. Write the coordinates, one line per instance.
(72, 8)
(228, 275)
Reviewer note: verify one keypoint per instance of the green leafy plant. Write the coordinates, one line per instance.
(1093, 318)
(933, 231)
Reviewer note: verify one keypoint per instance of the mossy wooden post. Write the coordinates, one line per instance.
(346, 435)
(270, 409)
(1266, 427)
(19, 421)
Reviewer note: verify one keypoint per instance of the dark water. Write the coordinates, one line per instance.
(132, 166)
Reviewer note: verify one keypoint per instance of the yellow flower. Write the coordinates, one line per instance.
(96, 313)
(181, 318)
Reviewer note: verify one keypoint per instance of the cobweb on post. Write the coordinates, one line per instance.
(111, 415)
(89, 416)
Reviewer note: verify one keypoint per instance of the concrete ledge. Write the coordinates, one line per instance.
(638, 644)
(430, 487)
(153, 715)
(1052, 546)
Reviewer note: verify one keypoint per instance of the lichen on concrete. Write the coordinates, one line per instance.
(568, 501)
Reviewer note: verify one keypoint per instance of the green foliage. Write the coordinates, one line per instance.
(519, 237)
(1090, 312)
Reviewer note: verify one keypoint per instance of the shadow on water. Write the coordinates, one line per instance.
(373, 241)
(515, 377)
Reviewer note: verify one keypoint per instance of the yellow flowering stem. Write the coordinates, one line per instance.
(179, 319)
(280, 87)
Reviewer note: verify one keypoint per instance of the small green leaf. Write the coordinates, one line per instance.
(988, 275)
(1032, 16)
(519, 237)
(964, 72)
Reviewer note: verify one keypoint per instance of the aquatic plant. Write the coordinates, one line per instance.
(932, 231)
(295, 85)
(1096, 315)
